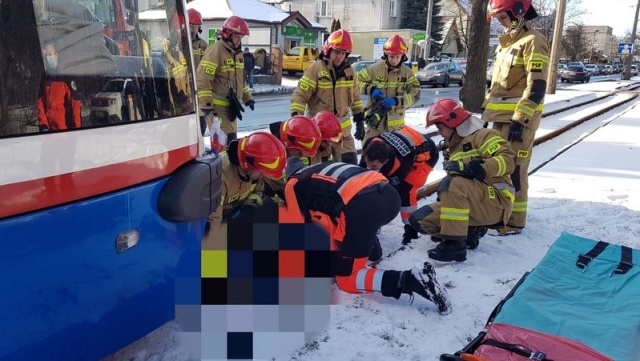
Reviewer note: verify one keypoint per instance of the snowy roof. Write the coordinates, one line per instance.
(250, 10)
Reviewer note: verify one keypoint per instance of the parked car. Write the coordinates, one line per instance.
(362, 64)
(561, 69)
(634, 70)
(608, 69)
(576, 63)
(120, 100)
(592, 69)
(618, 67)
(442, 73)
(601, 69)
(575, 73)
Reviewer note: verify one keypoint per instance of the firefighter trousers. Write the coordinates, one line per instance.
(347, 147)
(462, 203)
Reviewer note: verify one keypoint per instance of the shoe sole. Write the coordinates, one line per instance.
(438, 293)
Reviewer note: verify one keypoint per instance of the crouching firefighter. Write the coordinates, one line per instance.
(244, 165)
(406, 158)
(476, 192)
(341, 197)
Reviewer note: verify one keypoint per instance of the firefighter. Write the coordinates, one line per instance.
(179, 84)
(301, 138)
(198, 46)
(340, 197)
(476, 192)
(515, 100)
(220, 78)
(58, 98)
(245, 164)
(405, 157)
(330, 84)
(390, 83)
(331, 133)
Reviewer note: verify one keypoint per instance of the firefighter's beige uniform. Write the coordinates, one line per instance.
(198, 45)
(398, 82)
(323, 155)
(517, 93)
(179, 84)
(221, 69)
(237, 190)
(320, 89)
(465, 202)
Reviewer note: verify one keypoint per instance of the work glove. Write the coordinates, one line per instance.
(377, 94)
(44, 128)
(359, 120)
(251, 104)
(470, 170)
(206, 111)
(515, 131)
(409, 234)
(293, 114)
(387, 103)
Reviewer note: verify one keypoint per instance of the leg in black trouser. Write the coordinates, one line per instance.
(231, 136)
(203, 125)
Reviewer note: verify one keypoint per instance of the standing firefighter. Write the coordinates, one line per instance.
(198, 46)
(515, 101)
(341, 197)
(391, 87)
(330, 84)
(179, 83)
(406, 158)
(220, 78)
(477, 191)
(331, 134)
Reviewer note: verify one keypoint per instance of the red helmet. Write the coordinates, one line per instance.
(261, 151)
(195, 18)
(177, 22)
(339, 40)
(234, 25)
(300, 132)
(448, 112)
(329, 125)
(395, 46)
(515, 8)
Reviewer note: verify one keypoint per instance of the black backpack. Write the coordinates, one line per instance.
(76, 35)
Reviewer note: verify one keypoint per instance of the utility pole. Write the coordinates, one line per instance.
(427, 36)
(555, 48)
(627, 67)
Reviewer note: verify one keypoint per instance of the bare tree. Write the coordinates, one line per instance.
(546, 9)
(472, 94)
(574, 43)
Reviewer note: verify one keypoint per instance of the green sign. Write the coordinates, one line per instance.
(213, 35)
(293, 31)
(418, 36)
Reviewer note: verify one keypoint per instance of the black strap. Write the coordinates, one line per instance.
(518, 350)
(626, 261)
(584, 259)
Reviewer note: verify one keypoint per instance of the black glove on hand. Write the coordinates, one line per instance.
(359, 120)
(409, 234)
(471, 170)
(251, 104)
(43, 128)
(515, 131)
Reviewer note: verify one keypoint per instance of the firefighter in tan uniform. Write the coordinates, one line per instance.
(515, 100)
(178, 74)
(331, 84)
(245, 164)
(198, 46)
(392, 84)
(477, 191)
(220, 78)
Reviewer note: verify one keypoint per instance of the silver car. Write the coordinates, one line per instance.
(442, 73)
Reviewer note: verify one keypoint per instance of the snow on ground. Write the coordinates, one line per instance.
(590, 190)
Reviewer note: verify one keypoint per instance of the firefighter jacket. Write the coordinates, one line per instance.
(408, 167)
(58, 104)
(198, 45)
(519, 77)
(323, 87)
(396, 82)
(237, 190)
(323, 155)
(179, 84)
(497, 157)
(221, 70)
(320, 192)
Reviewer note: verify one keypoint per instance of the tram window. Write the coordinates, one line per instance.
(54, 84)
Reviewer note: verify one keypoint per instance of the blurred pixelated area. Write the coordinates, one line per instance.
(266, 295)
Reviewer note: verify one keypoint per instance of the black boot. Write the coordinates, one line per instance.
(473, 236)
(424, 283)
(449, 251)
(436, 239)
(376, 252)
(409, 234)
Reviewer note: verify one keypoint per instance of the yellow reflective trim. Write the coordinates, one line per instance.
(519, 207)
(491, 145)
(299, 107)
(510, 195)
(273, 165)
(525, 110)
(224, 103)
(308, 145)
(454, 214)
(205, 93)
(395, 123)
(502, 165)
(346, 123)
